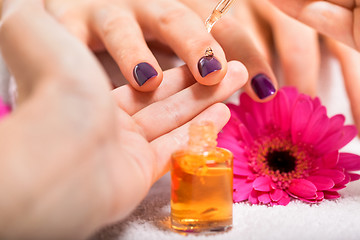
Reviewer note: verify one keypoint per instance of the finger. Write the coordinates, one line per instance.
(56, 48)
(244, 43)
(183, 106)
(184, 31)
(68, 15)
(298, 49)
(332, 18)
(132, 101)
(122, 36)
(249, 44)
(177, 139)
(350, 61)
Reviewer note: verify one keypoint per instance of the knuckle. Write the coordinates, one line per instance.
(227, 25)
(228, 22)
(171, 15)
(111, 23)
(173, 112)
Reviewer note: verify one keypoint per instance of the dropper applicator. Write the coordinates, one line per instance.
(221, 8)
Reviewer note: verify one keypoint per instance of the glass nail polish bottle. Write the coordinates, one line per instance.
(201, 187)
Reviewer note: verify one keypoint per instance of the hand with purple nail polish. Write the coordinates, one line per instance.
(75, 156)
(143, 72)
(126, 28)
(262, 86)
(207, 65)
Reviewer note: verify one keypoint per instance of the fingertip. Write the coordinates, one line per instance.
(146, 77)
(224, 111)
(217, 113)
(238, 70)
(211, 70)
(262, 88)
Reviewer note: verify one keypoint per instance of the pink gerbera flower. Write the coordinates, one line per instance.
(288, 148)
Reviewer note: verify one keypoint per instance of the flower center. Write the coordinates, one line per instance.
(281, 160)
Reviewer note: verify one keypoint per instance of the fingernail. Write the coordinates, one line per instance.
(143, 72)
(208, 64)
(262, 86)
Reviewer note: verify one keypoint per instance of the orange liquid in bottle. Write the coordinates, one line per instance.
(201, 190)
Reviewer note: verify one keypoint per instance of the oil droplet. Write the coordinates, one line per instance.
(209, 52)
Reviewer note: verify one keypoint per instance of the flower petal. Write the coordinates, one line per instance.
(253, 197)
(251, 125)
(234, 110)
(336, 140)
(242, 169)
(267, 111)
(349, 161)
(264, 198)
(302, 188)
(336, 122)
(331, 195)
(340, 185)
(232, 128)
(245, 135)
(336, 175)
(242, 195)
(320, 196)
(300, 117)
(242, 189)
(292, 94)
(321, 183)
(262, 184)
(231, 145)
(276, 194)
(319, 121)
(330, 160)
(316, 103)
(282, 110)
(246, 102)
(258, 114)
(354, 176)
(284, 200)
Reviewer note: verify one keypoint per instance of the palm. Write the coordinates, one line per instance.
(150, 127)
(99, 160)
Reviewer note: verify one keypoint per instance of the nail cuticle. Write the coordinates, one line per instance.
(262, 86)
(207, 65)
(143, 72)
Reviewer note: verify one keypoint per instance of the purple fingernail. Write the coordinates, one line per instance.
(143, 72)
(262, 86)
(208, 64)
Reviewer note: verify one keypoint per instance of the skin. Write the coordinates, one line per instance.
(338, 19)
(240, 42)
(177, 24)
(122, 27)
(340, 22)
(72, 158)
(256, 27)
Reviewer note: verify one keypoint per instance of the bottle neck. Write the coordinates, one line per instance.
(202, 136)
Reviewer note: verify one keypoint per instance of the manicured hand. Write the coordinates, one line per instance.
(338, 19)
(298, 45)
(239, 34)
(122, 27)
(251, 32)
(74, 156)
